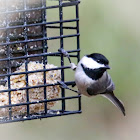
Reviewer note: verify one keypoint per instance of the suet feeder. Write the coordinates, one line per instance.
(28, 82)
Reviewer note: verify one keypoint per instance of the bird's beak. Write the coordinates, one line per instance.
(107, 67)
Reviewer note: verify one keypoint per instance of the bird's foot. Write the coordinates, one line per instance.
(63, 85)
(65, 53)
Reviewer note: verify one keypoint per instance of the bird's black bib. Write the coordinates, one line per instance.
(94, 74)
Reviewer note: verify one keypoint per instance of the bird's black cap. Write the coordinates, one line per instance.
(99, 58)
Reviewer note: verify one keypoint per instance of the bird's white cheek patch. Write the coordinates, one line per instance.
(90, 63)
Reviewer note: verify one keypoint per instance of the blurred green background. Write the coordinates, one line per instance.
(112, 28)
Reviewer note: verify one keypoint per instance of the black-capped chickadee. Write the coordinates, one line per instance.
(92, 79)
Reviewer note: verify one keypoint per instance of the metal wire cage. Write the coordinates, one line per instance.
(24, 38)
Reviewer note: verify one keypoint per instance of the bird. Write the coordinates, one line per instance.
(92, 78)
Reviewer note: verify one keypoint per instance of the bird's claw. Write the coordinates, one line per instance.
(65, 53)
(63, 85)
(73, 84)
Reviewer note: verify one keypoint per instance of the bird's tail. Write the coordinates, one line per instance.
(115, 101)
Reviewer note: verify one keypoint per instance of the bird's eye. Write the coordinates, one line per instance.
(98, 60)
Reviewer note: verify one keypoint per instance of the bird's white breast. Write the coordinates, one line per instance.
(82, 80)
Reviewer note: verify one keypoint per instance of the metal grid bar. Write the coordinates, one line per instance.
(19, 73)
(45, 49)
(61, 46)
(42, 101)
(9, 67)
(78, 45)
(25, 54)
(40, 39)
(44, 7)
(26, 58)
(36, 55)
(36, 24)
(41, 117)
(24, 88)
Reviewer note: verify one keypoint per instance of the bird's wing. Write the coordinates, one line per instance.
(109, 84)
(101, 86)
(111, 97)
